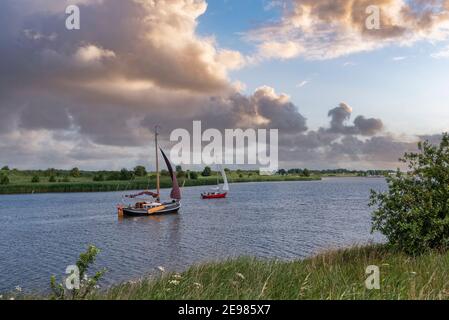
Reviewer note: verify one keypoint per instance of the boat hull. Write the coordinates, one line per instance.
(169, 208)
(214, 196)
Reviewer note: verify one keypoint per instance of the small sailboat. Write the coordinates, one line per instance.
(153, 206)
(217, 193)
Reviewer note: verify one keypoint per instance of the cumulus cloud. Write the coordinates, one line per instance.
(362, 126)
(325, 29)
(90, 98)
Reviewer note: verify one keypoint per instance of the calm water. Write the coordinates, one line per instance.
(42, 234)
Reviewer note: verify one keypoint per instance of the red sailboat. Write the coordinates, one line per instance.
(216, 193)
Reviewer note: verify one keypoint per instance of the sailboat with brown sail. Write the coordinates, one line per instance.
(153, 206)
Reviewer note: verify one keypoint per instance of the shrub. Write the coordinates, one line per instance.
(180, 174)
(66, 179)
(52, 179)
(4, 180)
(5, 168)
(165, 173)
(140, 171)
(86, 285)
(35, 179)
(126, 175)
(75, 173)
(98, 178)
(194, 175)
(414, 213)
(207, 172)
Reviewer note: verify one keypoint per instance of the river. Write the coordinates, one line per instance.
(41, 234)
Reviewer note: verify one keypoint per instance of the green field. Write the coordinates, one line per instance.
(20, 182)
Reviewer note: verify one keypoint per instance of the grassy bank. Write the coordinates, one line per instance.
(332, 275)
(84, 185)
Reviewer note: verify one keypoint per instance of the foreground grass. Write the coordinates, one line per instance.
(333, 275)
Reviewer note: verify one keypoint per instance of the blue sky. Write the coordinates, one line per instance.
(403, 85)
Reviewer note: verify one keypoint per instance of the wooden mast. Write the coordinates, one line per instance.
(158, 179)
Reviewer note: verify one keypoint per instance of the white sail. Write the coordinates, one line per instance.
(225, 179)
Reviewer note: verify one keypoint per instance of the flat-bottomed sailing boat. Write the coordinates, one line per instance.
(154, 207)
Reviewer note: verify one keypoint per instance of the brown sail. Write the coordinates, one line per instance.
(176, 191)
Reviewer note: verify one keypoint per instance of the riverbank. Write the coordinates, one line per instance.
(138, 184)
(334, 275)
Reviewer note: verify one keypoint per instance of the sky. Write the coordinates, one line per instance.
(341, 95)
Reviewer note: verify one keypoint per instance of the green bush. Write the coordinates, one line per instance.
(207, 172)
(140, 171)
(4, 180)
(52, 179)
(126, 175)
(193, 175)
(75, 173)
(98, 178)
(87, 285)
(35, 179)
(306, 173)
(414, 213)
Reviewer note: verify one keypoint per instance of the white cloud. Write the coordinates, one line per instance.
(92, 54)
(442, 54)
(327, 29)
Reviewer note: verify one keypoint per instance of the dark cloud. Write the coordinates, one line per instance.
(362, 126)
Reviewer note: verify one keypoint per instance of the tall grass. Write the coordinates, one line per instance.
(337, 275)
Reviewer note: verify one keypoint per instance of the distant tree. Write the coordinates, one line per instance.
(50, 172)
(140, 171)
(414, 213)
(35, 179)
(52, 179)
(5, 168)
(75, 173)
(282, 172)
(179, 169)
(66, 179)
(113, 176)
(125, 174)
(98, 177)
(194, 175)
(306, 173)
(4, 180)
(165, 173)
(207, 172)
(180, 174)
